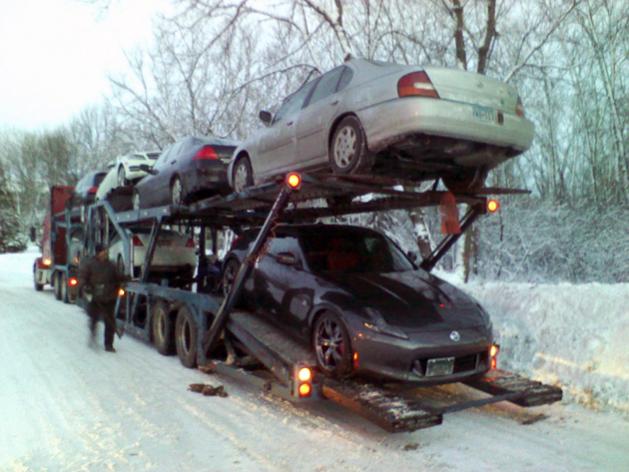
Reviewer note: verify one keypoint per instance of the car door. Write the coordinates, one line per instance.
(277, 149)
(278, 284)
(315, 117)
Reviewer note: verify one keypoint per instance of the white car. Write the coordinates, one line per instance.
(175, 253)
(125, 169)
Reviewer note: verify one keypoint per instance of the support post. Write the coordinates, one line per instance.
(446, 243)
(148, 258)
(220, 319)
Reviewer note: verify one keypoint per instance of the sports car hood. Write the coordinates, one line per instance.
(412, 300)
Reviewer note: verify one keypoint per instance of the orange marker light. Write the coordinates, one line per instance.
(355, 360)
(493, 350)
(293, 180)
(304, 374)
(73, 281)
(493, 205)
(121, 292)
(304, 390)
(47, 261)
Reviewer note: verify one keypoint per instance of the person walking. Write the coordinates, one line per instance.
(98, 276)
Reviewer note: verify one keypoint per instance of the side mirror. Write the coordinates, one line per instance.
(287, 258)
(33, 234)
(266, 117)
(412, 256)
(148, 169)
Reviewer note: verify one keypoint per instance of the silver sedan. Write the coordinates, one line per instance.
(389, 119)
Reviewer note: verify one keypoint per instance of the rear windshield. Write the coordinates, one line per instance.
(352, 252)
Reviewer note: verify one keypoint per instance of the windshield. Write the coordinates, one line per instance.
(352, 252)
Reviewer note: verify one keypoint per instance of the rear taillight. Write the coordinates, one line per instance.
(206, 153)
(416, 84)
(190, 243)
(92, 190)
(73, 282)
(137, 241)
(519, 108)
(234, 242)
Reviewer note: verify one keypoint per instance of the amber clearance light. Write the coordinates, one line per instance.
(305, 389)
(121, 292)
(293, 180)
(46, 262)
(493, 205)
(304, 374)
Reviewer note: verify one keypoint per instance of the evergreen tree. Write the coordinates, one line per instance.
(11, 239)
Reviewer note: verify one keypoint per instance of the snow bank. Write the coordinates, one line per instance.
(576, 336)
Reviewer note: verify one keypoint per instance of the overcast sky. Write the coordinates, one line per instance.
(55, 55)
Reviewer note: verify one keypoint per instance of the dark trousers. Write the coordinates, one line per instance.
(103, 311)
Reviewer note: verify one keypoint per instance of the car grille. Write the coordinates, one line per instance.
(462, 364)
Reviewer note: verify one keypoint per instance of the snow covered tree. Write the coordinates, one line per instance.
(11, 239)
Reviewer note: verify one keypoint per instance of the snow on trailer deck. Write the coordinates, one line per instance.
(66, 407)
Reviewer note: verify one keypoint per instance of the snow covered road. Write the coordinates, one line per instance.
(65, 407)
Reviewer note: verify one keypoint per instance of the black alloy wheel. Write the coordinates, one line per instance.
(65, 297)
(348, 153)
(162, 329)
(186, 333)
(242, 174)
(38, 287)
(332, 345)
(56, 284)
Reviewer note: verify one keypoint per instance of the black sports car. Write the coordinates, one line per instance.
(363, 305)
(189, 169)
(86, 188)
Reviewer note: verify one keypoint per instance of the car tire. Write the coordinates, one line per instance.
(176, 192)
(229, 274)
(242, 176)
(348, 153)
(38, 287)
(136, 200)
(162, 329)
(122, 180)
(56, 285)
(186, 333)
(65, 296)
(331, 345)
(465, 181)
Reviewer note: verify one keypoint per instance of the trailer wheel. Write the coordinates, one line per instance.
(348, 152)
(56, 284)
(38, 287)
(162, 329)
(332, 346)
(65, 297)
(186, 338)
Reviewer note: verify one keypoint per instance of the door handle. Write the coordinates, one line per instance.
(172, 162)
(290, 123)
(334, 103)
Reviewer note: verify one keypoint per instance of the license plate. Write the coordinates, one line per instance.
(482, 113)
(440, 366)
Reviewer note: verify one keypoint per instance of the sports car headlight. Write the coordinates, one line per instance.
(379, 325)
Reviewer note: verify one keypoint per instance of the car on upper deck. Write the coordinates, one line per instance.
(363, 306)
(188, 170)
(403, 121)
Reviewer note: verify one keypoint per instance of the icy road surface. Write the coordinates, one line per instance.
(64, 407)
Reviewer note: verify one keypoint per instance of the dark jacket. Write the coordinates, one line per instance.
(101, 277)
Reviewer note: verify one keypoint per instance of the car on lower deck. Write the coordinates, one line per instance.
(175, 253)
(410, 122)
(362, 305)
(188, 170)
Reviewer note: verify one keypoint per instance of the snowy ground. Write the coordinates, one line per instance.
(66, 407)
